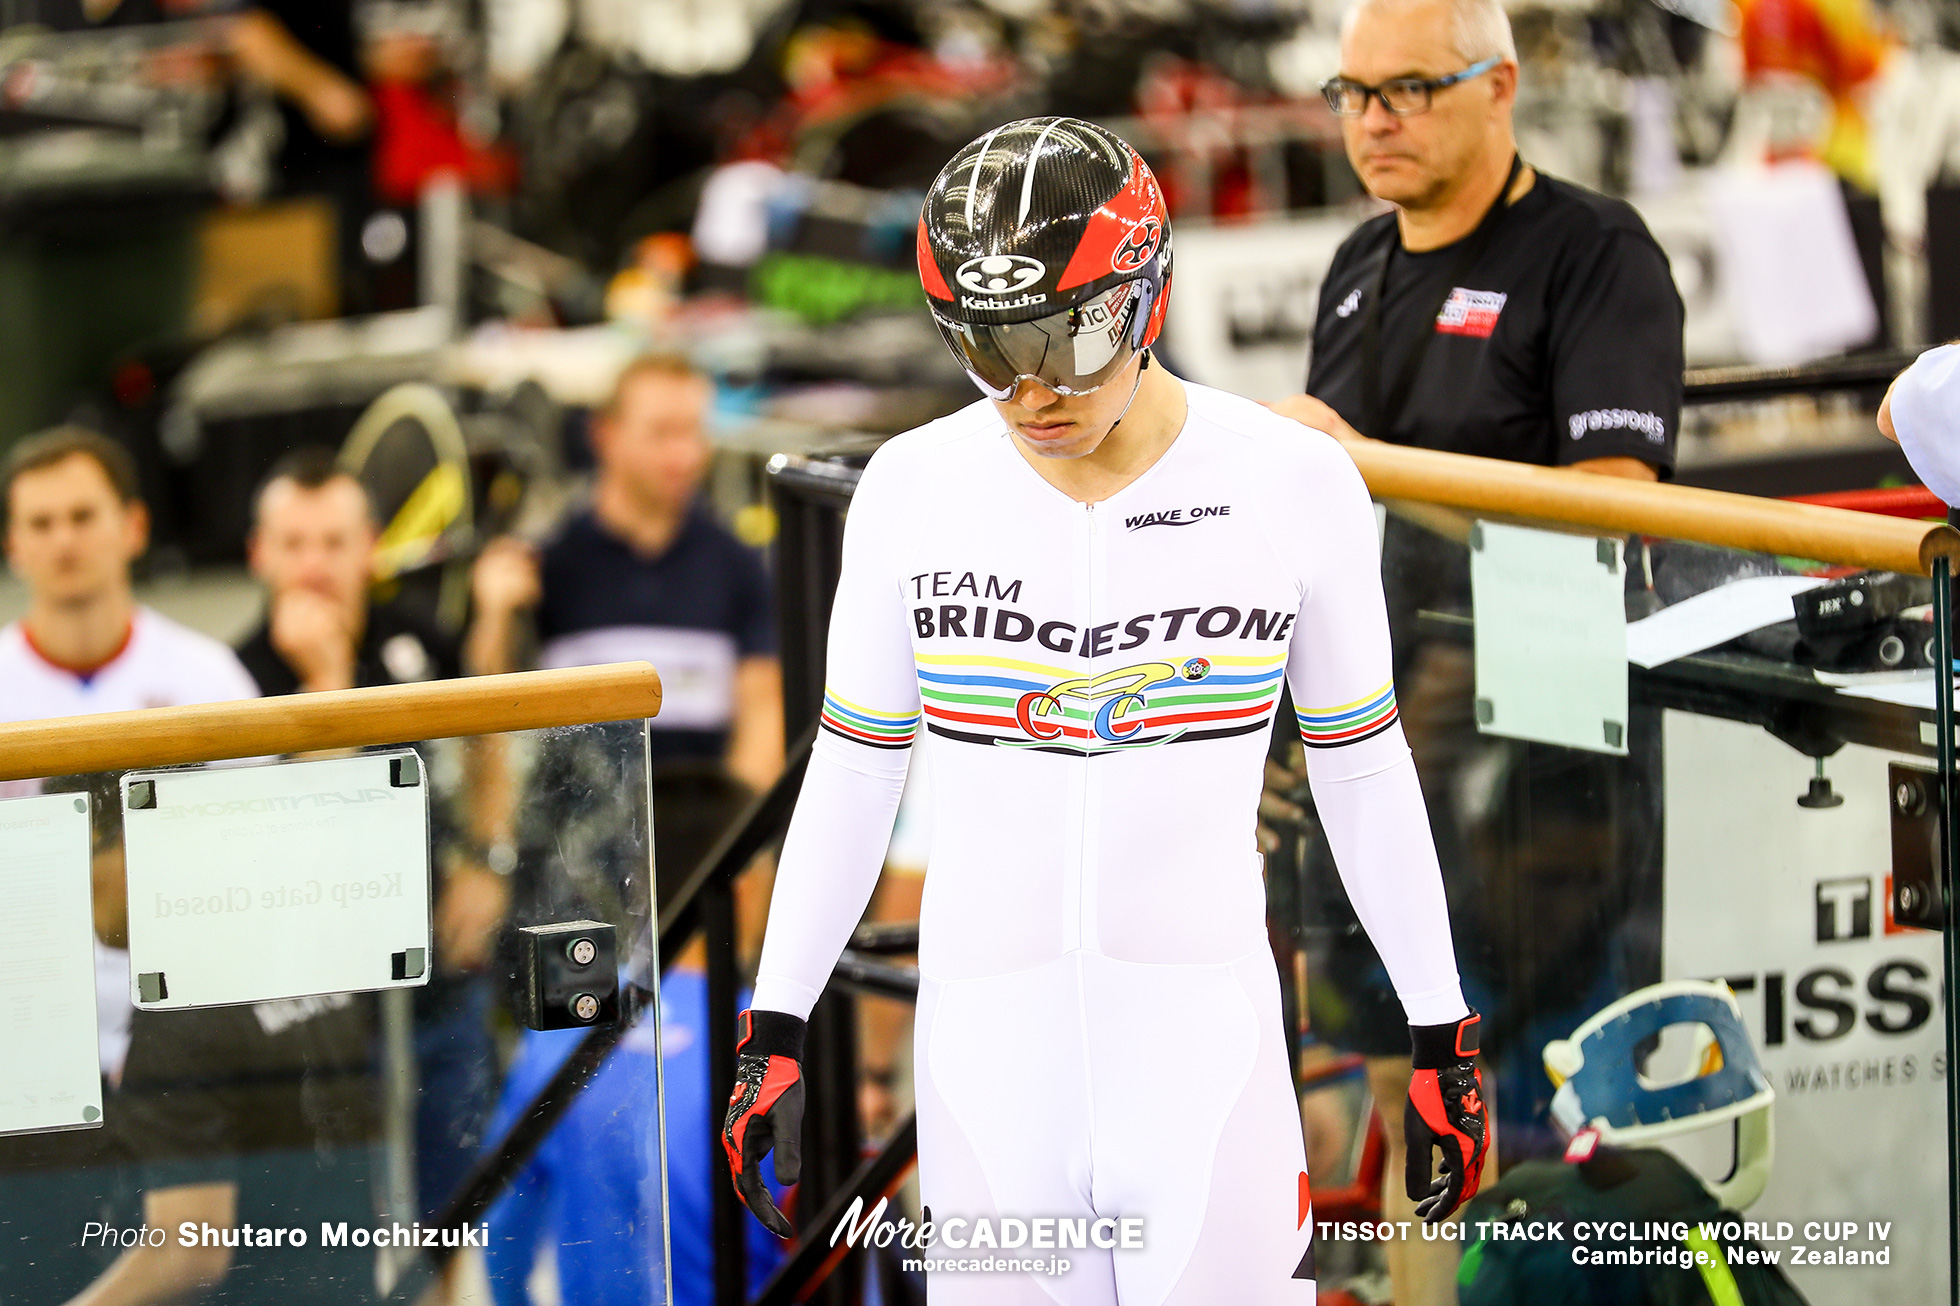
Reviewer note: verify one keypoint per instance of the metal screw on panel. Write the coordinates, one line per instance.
(585, 1006)
(1908, 798)
(581, 951)
(1908, 900)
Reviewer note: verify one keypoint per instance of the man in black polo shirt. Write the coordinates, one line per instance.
(1511, 315)
(263, 1116)
(1497, 312)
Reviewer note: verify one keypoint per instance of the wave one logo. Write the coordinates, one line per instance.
(1000, 274)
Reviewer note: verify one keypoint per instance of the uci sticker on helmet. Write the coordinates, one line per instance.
(1100, 329)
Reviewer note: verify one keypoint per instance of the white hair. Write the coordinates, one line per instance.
(1479, 29)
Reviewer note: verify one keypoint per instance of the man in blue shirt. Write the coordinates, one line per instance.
(644, 571)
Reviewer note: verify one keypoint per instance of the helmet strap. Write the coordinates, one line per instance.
(1141, 369)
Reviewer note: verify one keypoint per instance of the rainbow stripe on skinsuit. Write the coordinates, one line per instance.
(866, 726)
(1350, 723)
(1020, 704)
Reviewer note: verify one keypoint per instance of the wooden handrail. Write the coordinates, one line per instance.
(1613, 503)
(343, 718)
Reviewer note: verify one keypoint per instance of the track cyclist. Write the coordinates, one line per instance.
(1082, 593)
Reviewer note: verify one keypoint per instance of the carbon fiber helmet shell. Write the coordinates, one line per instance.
(1038, 217)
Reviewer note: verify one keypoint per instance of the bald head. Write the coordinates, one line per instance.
(1476, 29)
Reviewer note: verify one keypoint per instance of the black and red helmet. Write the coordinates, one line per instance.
(1045, 252)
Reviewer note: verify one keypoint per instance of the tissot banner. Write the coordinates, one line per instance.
(1787, 904)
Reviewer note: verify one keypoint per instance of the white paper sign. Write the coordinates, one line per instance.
(1714, 617)
(277, 881)
(49, 1075)
(1551, 641)
(1788, 904)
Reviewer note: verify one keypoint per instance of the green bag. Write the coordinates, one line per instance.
(1635, 1185)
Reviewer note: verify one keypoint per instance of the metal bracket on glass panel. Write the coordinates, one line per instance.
(1916, 898)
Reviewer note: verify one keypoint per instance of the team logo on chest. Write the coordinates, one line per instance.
(1470, 313)
(1013, 703)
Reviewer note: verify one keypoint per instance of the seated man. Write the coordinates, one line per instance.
(312, 544)
(74, 526)
(263, 1116)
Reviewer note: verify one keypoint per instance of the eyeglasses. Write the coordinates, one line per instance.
(1402, 96)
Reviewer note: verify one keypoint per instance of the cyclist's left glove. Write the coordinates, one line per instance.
(1446, 1111)
(766, 1111)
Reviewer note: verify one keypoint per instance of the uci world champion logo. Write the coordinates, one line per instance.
(1112, 703)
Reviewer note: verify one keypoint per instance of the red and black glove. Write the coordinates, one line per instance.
(1446, 1111)
(766, 1111)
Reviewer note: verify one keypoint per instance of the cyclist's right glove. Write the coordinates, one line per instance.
(1446, 1112)
(766, 1111)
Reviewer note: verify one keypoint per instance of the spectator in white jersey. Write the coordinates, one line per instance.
(74, 527)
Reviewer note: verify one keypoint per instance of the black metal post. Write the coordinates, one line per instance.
(832, 1142)
(761, 825)
(813, 1257)
(731, 1248)
(808, 557)
(1950, 933)
(494, 1171)
(810, 499)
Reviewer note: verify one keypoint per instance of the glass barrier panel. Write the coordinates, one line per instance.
(1760, 814)
(370, 994)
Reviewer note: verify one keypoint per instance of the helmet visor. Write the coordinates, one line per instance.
(1071, 352)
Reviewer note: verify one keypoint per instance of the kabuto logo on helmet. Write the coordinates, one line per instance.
(1000, 274)
(1138, 246)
